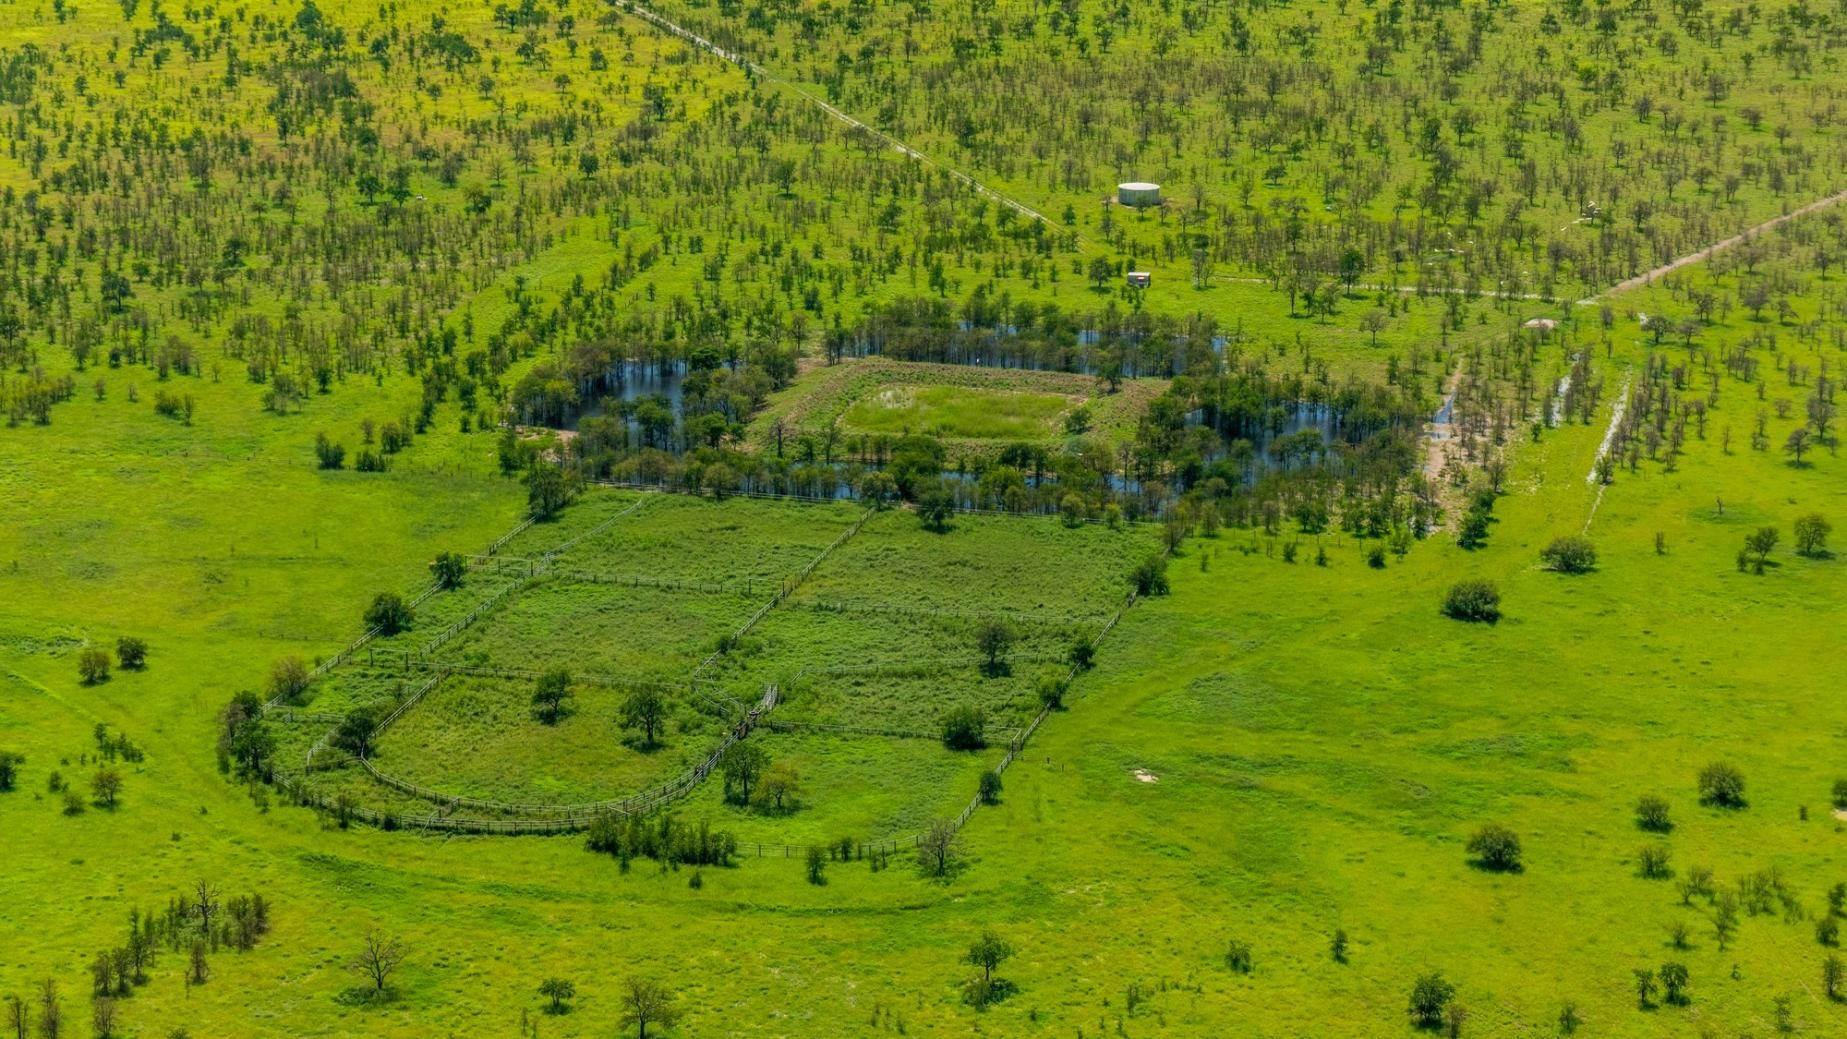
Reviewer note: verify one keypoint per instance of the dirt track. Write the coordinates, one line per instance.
(1716, 247)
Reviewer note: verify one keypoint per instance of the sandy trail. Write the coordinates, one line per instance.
(1716, 247)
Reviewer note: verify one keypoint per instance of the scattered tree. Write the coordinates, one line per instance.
(288, 679)
(106, 785)
(1758, 545)
(131, 653)
(965, 728)
(1496, 848)
(647, 1002)
(1430, 996)
(448, 569)
(645, 710)
(994, 637)
(549, 693)
(937, 848)
(988, 952)
(1812, 532)
(388, 614)
(744, 763)
(93, 665)
(377, 959)
(559, 991)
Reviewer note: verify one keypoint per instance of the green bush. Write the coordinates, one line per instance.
(1570, 555)
(1473, 600)
(1496, 847)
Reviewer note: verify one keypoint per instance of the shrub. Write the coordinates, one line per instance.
(1473, 600)
(1150, 578)
(1840, 793)
(990, 787)
(964, 728)
(1570, 555)
(1651, 813)
(1238, 957)
(1651, 862)
(1721, 785)
(131, 653)
(329, 454)
(1496, 847)
(9, 769)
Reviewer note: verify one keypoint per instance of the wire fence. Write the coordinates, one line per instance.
(535, 818)
(524, 817)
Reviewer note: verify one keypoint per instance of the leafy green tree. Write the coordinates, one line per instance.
(817, 866)
(988, 952)
(645, 710)
(93, 665)
(288, 678)
(1674, 978)
(780, 786)
(9, 769)
(1052, 688)
(131, 653)
(744, 764)
(550, 692)
(1812, 532)
(548, 490)
(355, 731)
(559, 991)
(388, 614)
(994, 637)
(935, 506)
(448, 569)
(1759, 544)
(1496, 847)
(1644, 987)
(1430, 996)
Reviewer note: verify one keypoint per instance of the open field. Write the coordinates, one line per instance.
(948, 411)
(448, 379)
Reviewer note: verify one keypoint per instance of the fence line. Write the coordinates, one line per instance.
(563, 818)
(789, 585)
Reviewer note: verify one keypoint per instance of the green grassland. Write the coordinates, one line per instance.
(954, 412)
(1322, 743)
(481, 738)
(434, 202)
(835, 409)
